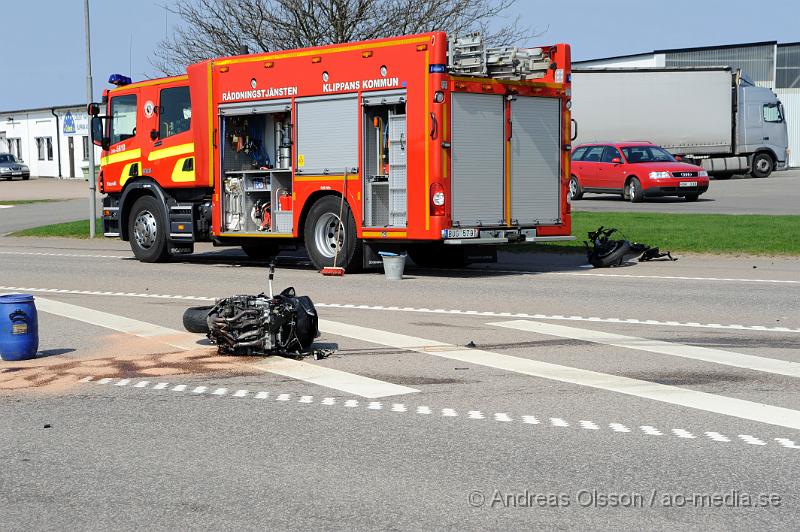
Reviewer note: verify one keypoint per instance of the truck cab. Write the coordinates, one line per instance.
(762, 128)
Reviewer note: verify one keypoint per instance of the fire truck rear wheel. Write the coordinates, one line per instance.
(146, 231)
(325, 234)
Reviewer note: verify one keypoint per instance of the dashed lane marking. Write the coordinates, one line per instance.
(48, 254)
(457, 312)
(501, 417)
(715, 356)
(753, 411)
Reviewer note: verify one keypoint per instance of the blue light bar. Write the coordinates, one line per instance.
(437, 69)
(119, 80)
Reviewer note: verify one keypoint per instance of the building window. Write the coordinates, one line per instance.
(85, 148)
(175, 111)
(15, 148)
(41, 148)
(49, 141)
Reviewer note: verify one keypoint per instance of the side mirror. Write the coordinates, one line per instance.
(616, 160)
(97, 133)
(93, 109)
(154, 134)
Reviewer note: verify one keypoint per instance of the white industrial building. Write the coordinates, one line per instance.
(52, 141)
(767, 64)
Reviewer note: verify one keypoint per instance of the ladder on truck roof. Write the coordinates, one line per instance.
(469, 56)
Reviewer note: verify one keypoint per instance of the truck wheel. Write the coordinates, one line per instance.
(575, 190)
(762, 165)
(262, 251)
(146, 230)
(320, 232)
(634, 190)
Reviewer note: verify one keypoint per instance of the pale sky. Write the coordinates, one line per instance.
(44, 63)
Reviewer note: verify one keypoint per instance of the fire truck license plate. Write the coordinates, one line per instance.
(688, 183)
(462, 233)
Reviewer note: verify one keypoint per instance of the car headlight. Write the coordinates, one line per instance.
(660, 175)
(702, 173)
(4, 170)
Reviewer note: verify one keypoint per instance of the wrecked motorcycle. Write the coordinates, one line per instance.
(284, 324)
(605, 252)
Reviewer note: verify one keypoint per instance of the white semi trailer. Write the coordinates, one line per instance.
(713, 116)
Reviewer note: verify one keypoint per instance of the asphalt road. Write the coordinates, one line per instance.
(777, 194)
(534, 393)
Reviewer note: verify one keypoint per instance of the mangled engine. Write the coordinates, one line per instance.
(260, 325)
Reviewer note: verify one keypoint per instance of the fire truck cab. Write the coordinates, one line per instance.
(445, 149)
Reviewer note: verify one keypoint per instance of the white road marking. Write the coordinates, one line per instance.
(47, 254)
(752, 440)
(660, 277)
(240, 393)
(200, 389)
(160, 385)
(715, 356)
(141, 384)
(375, 405)
(138, 328)
(331, 378)
(220, 391)
(505, 417)
(457, 312)
(716, 436)
(6, 206)
(104, 381)
(729, 406)
(652, 431)
(123, 382)
(86, 379)
(179, 388)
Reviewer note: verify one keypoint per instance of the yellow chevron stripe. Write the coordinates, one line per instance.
(180, 149)
(120, 156)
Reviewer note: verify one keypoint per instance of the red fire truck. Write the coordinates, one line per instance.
(445, 149)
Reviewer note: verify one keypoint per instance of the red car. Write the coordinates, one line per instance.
(635, 170)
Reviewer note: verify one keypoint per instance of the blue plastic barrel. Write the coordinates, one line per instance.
(19, 327)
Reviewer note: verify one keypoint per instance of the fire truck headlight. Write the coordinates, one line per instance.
(437, 199)
(438, 97)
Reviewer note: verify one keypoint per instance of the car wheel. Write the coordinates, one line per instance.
(575, 190)
(691, 197)
(325, 234)
(762, 165)
(262, 251)
(26, 177)
(146, 231)
(634, 190)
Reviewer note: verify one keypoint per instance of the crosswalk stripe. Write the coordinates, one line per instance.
(715, 356)
(740, 408)
(332, 378)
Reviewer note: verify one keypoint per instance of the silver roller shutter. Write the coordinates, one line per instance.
(477, 159)
(327, 135)
(535, 160)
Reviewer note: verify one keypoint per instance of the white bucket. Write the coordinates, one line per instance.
(393, 266)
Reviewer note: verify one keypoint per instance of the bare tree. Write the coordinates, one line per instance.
(212, 28)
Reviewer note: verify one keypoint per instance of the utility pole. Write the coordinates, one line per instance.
(89, 98)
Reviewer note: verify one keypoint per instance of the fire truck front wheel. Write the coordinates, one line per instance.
(146, 230)
(329, 238)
